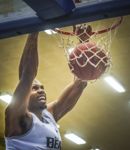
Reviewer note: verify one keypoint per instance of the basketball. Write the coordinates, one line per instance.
(88, 61)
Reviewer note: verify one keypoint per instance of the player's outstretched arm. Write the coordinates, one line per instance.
(68, 99)
(27, 72)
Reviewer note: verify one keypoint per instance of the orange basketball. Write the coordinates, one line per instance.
(88, 61)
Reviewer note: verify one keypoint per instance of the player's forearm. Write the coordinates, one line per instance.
(73, 93)
(69, 98)
(29, 57)
(76, 87)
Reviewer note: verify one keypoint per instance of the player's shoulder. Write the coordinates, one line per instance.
(16, 124)
(13, 113)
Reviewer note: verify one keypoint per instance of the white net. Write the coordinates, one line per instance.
(91, 54)
(88, 46)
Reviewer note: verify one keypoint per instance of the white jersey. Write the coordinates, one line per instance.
(42, 136)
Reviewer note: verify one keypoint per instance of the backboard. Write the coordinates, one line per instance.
(25, 16)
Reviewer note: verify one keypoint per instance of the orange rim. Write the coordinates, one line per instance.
(97, 32)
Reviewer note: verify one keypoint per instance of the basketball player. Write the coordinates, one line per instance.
(30, 123)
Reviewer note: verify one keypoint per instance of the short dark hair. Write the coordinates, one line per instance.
(35, 81)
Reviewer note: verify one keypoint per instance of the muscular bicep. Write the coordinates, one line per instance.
(21, 96)
(51, 107)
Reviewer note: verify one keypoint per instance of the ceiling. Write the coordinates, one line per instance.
(101, 116)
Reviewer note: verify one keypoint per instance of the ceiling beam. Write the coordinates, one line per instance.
(81, 14)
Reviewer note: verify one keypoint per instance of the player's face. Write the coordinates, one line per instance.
(37, 97)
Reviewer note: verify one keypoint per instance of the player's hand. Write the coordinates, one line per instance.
(83, 32)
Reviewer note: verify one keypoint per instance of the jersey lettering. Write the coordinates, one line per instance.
(53, 143)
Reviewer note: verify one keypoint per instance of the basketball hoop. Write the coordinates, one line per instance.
(114, 26)
(96, 38)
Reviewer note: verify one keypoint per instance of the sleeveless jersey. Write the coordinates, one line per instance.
(43, 135)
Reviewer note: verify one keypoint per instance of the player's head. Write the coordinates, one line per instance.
(37, 96)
